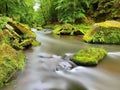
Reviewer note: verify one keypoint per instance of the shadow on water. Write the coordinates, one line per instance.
(40, 71)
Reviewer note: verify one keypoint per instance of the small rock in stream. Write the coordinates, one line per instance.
(56, 62)
(65, 65)
(67, 56)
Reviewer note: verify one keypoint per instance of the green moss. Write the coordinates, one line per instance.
(105, 32)
(16, 44)
(84, 27)
(13, 36)
(108, 24)
(8, 33)
(26, 42)
(2, 38)
(35, 43)
(22, 29)
(10, 61)
(56, 30)
(89, 56)
(3, 21)
(67, 29)
(16, 34)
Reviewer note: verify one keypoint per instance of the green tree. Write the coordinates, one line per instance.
(104, 9)
(47, 10)
(71, 10)
(21, 10)
(64, 11)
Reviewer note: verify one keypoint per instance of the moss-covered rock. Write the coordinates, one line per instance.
(16, 34)
(104, 32)
(26, 42)
(10, 61)
(89, 56)
(67, 29)
(3, 21)
(16, 45)
(22, 29)
(35, 43)
(13, 37)
(84, 27)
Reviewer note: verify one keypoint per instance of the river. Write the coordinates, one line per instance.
(48, 66)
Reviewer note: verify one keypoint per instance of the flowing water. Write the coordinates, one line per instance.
(48, 66)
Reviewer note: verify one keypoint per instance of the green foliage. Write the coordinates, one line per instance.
(46, 12)
(64, 11)
(20, 10)
(71, 10)
(35, 43)
(89, 56)
(45, 6)
(105, 9)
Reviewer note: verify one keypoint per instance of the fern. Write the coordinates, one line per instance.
(70, 10)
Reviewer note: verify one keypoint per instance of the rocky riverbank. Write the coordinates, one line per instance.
(14, 37)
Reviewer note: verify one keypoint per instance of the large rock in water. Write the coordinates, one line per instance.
(10, 61)
(89, 56)
(104, 32)
(67, 29)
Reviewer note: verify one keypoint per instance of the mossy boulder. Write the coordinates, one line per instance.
(67, 29)
(16, 34)
(10, 61)
(89, 56)
(104, 32)
(22, 29)
(26, 42)
(84, 27)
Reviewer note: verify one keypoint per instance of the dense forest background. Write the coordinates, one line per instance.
(60, 11)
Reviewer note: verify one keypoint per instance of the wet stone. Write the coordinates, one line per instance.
(67, 56)
(64, 66)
